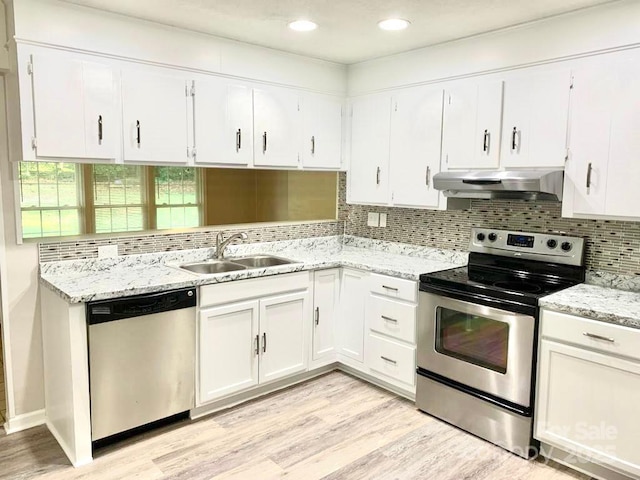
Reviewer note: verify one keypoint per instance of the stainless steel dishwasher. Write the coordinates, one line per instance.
(141, 359)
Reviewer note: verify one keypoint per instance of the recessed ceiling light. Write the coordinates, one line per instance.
(303, 26)
(394, 24)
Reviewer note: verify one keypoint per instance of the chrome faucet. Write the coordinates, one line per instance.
(222, 244)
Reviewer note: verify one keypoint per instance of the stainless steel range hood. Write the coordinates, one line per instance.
(533, 184)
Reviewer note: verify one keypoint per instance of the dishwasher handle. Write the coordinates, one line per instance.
(147, 304)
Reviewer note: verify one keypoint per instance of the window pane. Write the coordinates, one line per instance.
(174, 217)
(119, 219)
(118, 185)
(177, 197)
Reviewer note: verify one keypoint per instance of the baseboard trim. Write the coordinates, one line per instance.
(25, 421)
(68, 451)
(594, 470)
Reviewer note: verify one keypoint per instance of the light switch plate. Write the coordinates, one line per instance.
(107, 251)
(373, 219)
(383, 219)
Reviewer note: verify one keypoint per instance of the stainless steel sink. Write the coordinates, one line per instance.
(261, 261)
(213, 266)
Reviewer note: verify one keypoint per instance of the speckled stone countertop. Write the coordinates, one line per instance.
(600, 301)
(97, 279)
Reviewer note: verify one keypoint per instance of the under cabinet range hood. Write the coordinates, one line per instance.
(531, 184)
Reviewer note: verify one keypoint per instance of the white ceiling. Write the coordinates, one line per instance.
(347, 31)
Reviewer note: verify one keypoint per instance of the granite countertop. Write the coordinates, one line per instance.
(597, 302)
(79, 281)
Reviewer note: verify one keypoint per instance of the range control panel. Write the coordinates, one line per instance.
(534, 246)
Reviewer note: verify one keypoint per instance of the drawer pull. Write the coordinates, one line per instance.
(389, 319)
(387, 359)
(394, 289)
(599, 337)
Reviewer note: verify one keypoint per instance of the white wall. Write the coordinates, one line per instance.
(591, 30)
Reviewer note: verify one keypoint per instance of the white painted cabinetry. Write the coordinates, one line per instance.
(353, 295)
(276, 126)
(588, 392)
(252, 332)
(155, 107)
(326, 295)
(321, 145)
(74, 114)
(416, 133)
(223, 122)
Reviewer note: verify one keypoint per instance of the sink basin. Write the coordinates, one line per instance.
(261, 261)
(213, 266)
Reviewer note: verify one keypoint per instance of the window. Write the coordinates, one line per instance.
(50, 199)
(118, 198)
(177, 197)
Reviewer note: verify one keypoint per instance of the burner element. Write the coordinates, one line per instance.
(518, 286)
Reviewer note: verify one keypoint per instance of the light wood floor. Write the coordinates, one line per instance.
(332, 427)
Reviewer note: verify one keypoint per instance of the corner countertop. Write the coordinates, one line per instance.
(598, 301)
(78, 281)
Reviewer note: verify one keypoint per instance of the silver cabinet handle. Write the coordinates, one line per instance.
(264, 142)
(313, 145)
(387, 359)
(390, 288)
(589, 170)
(378, 176)
(427, 177)
(264, 342)
(238, 140)
(317, 315)
(99, 129)
(257, 344)
(485, 141)
(389, 319)
(514, 135)
(599, 337)
(138, 132)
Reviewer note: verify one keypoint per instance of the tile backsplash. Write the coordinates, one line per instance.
(612, 246)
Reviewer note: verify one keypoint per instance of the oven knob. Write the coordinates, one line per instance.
(566, 246)
(552, 243)
(480, 237)
(493, 237)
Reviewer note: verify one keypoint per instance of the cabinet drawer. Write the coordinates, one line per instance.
(591, 333)
(394, 287)
(392, 359)
(392, 318)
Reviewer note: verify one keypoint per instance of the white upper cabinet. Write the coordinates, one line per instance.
(416, 131)
(536, 109)
(73, 109)
(276, 127)
(472, 125)
(155, 110)
(223, 122)
(322, 131)
(368, 178)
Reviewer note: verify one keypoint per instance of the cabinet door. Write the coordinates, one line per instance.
(276, 127)
(283, 324)
(325, 302)
(587, 403)
(353, 292)
(154, 108)
(416, 134)
(322, 131)
(592, 96)
(228, 349)
(486, 143)
(223, 123)
(536, 109)
(73, 108)
(623, 172)
(368, 177)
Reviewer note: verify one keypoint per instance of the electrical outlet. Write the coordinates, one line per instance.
(373, 219)
(383, 219)
(108, 251)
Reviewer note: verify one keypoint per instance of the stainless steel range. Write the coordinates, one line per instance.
(477, 332)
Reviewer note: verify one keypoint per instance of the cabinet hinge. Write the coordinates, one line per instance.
(193, 152)
(566, 155)
(192, 91)
(30, 68)
(34, 142)
(571, 83)
(446, 159)
(449, 99)
(298, 106)
(396, 107)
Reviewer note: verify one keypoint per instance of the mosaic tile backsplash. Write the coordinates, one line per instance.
(612, 246)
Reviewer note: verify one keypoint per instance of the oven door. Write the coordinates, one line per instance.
(482, 347)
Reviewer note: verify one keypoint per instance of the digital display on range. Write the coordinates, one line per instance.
(525, 241)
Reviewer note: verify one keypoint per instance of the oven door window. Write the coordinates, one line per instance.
(472, 338)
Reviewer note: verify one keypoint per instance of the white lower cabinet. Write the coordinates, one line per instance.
(254, 341)
(326, 294)
(353, 294)
(588, 392)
